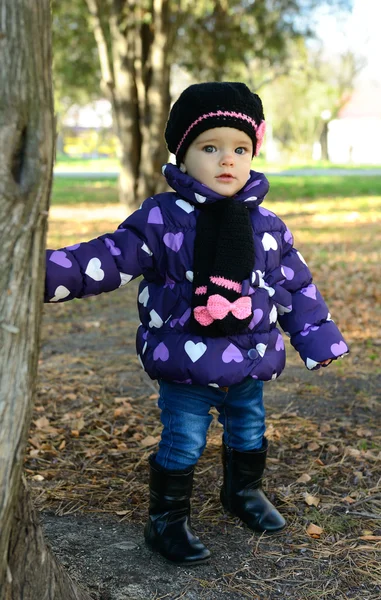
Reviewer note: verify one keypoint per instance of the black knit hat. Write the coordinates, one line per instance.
(204, 106)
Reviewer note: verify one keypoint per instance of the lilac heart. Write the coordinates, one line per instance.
(288, 236)
(257, 316)
(232, 353)
(307, 328)
(251, 185)
(155, 217)
(185, 317)
(174, 322)
(309, 291)
(59, 258)
(174, 241)
(265, 212)
(186, 381)
(114, 250)
(145, 335)
(169, 282)
(338, 349)
(161, 352)
(73, 247)
(287, 272)
(279, 345)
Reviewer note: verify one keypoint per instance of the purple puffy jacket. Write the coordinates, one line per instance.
(157, 242)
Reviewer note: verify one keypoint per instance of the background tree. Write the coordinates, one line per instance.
(28, 569)
(139, 40)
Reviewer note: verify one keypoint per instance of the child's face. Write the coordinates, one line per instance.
(220, 158)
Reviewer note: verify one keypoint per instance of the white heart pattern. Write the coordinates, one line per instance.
(200, 199)
(195, 351)
(214, 385)
(186, 206)
(94, 270)
(189, 275)
(156, 320)
(269, 242)
(301, 257)
(144, 296)
(310, 363)
(251, 199)
(60, 293)
(261, 349)
(146, 249)
(124, 278)
(273, 314)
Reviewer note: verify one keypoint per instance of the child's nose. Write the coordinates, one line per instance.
(227, 158)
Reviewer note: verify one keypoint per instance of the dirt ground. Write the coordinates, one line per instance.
(96, 422)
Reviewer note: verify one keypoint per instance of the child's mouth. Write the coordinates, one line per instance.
(225, 177)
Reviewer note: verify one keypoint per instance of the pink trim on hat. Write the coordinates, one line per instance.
(202, 289)
(229, 284)
(259, 129)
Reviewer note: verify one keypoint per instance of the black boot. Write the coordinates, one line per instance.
(242, 493)
(168, 529)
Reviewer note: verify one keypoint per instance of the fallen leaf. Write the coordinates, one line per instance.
(370, 538)
(149, 441)
(311, 500)
(332, 448)
(305, 478)
(42, 423)
(313, 446)
(314, 531)
(348, 499)
(38, 478)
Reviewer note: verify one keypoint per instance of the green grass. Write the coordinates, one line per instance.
(283, 189)
(85, 191)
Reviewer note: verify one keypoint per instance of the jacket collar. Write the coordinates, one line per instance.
(252, 194)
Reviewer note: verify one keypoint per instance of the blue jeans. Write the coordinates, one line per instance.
(186, 419)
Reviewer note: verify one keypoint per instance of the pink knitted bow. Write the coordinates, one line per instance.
(218, 307)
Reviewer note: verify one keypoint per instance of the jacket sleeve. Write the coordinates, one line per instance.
(306, 319)
(107, 262)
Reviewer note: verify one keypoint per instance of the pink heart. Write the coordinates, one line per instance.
(279, 345)
(232, 353)
(339, 349)
(174, 241)
(59, 258)
(161, 352)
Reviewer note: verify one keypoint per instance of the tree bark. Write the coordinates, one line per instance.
(134, 40)
(28, 570)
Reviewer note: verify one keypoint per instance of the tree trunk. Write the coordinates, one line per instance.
(134, 40)
(324, 141)
(154, 97)
(28, 570)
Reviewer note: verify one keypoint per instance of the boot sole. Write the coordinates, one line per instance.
(180, 563)
(267, 531)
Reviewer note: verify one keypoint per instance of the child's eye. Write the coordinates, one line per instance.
(240, 150)
(209, 148)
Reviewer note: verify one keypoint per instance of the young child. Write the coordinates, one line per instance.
(219, 271)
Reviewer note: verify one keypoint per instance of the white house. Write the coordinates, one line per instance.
(354, 137)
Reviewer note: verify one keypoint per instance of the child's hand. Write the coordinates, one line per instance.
(325, 363)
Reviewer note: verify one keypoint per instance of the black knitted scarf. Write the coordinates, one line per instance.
(223, 259)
